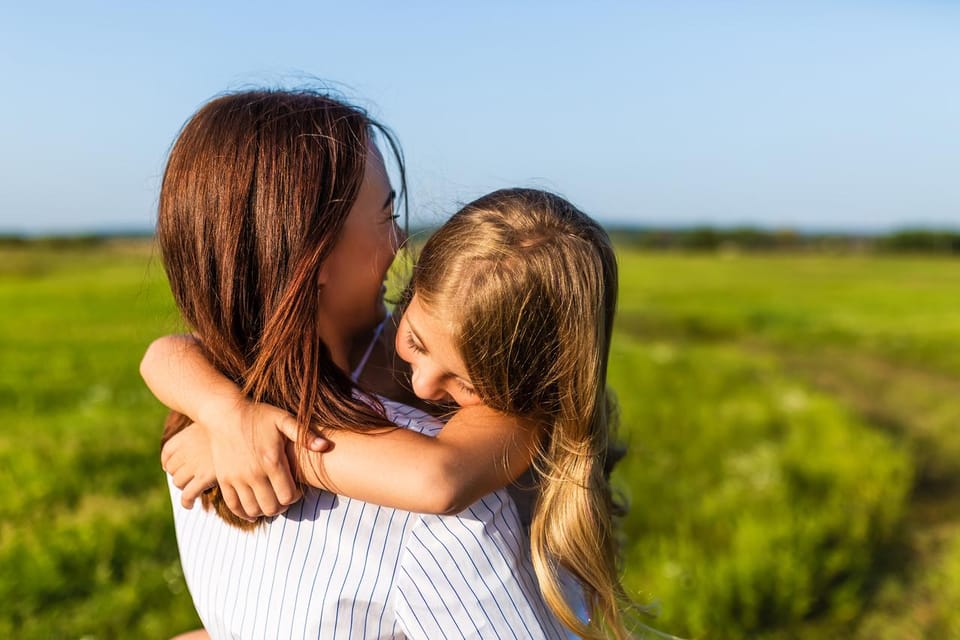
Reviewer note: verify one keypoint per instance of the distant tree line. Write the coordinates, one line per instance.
(67, 241)
(680, 239)
(753, 239)
(51, 241)
(920, 240)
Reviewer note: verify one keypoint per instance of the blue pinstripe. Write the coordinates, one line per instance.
(258, 610)
(459, 540)
(427, 607)
(346, 574)
(363, 571)
(423, 580)
(299, 508)
(336, 554)
(525, 569)
(453, 589)
(298, 591)
(316, 576)
(396, 563)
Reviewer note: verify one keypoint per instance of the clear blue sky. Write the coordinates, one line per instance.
(808, 114)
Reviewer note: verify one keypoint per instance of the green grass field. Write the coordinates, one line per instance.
(792, 421)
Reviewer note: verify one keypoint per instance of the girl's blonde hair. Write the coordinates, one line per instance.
(529, 284)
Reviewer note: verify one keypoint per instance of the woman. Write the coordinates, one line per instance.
(276, 227)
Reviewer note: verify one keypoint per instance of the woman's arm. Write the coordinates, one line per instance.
(477, 452)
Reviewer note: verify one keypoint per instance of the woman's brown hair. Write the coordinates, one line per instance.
(529, 286)
(255, 193)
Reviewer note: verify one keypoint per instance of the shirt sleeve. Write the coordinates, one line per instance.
(469, 576)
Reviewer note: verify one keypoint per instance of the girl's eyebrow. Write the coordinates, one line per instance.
(390, 198)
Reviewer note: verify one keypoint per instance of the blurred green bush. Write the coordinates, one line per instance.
(756, 503)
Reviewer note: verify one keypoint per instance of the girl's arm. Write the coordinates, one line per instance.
(478, 451)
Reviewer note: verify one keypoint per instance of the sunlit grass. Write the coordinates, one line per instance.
(791, 420)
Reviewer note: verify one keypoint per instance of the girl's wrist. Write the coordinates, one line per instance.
(227, 407)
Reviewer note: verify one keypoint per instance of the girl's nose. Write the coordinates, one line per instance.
(427, 384)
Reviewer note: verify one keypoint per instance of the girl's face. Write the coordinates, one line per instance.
(426, 342)
(352, 275)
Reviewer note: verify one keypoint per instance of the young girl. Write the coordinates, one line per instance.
(509, 312)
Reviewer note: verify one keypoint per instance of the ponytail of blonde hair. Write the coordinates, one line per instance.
(530, 284)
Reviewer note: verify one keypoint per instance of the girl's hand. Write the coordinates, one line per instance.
(252, 465)
(186, 457)
(239, 443)
(246, 451)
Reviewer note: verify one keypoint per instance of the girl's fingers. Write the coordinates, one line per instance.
(173, 466)
(283, 487)
(232, 501)
(192, 491)
(172, 448)
(288, 426)
(249, 509)
(267, 502)
(197, 485)
(182, 477)
(167, 455)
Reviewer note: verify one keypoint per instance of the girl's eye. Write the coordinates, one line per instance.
(414, 346)
(468, 390)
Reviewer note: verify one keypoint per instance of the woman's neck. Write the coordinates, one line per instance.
(340, 353)
(337, 344)
(347, 351)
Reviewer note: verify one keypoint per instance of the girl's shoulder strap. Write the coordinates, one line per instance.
(358, 370)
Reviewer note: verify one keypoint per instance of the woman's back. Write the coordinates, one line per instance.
(333, 567)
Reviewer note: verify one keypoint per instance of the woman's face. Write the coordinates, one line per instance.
(438, 372)
(352, 276)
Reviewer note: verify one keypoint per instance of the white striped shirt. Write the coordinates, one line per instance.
(332, 567)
